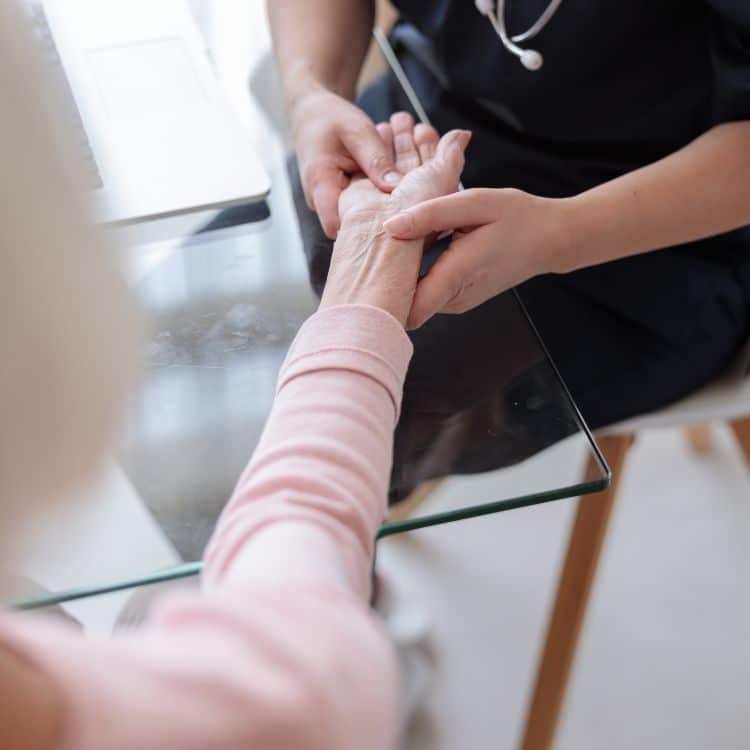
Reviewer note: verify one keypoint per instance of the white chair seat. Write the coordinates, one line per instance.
(726, 399)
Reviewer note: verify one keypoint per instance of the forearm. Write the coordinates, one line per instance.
(320, 43)
(281, 650)
(700, 191)
(307, 509)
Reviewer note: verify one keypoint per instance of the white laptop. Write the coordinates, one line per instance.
(156, 136)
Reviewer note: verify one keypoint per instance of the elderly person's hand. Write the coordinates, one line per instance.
(369, 267)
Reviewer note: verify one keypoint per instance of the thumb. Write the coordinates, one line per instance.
(373, 156)
(325, 200)
(444, 282)
(469, 208)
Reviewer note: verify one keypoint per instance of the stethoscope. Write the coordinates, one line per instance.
(530, 58)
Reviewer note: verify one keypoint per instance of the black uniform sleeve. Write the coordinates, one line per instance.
(730, 54)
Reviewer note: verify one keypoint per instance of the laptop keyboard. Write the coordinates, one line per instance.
(69, 109)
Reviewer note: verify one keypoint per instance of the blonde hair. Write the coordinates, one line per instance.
(67, 329)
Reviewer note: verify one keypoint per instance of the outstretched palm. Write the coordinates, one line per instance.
(367, 267)
(431, 167)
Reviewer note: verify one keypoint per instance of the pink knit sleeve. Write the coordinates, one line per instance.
(280, 650)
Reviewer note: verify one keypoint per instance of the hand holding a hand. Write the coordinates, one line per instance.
(368, 266)
(501, 237)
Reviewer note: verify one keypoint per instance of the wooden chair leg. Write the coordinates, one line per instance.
(741, 429)
(573, 589)
(700, 438)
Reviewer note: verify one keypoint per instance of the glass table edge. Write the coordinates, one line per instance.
(499, 506)
(190, 569)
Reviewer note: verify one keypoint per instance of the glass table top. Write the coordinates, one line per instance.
(224, 309)
(484, 427)
(497, 425)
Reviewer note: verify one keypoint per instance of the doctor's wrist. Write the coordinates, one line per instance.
(570, 232)
(594, 228)
(550, 228)
(301, 82)
(298, 84)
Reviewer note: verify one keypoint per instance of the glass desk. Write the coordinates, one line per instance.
(224, 297)
(224, 310)
(223, 307)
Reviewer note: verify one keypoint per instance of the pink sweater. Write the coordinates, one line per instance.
(281, 649)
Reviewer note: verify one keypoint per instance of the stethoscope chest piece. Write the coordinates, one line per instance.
(531, 59)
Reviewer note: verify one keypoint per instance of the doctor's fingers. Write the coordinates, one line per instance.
(374, 157)
(469, 208)
(459, 280)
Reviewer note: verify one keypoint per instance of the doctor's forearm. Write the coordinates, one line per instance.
(700, 191)
(320, 43)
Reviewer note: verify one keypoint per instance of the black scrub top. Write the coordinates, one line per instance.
(624, 82)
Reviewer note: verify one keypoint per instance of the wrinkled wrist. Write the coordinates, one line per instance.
(359, 226)
(372, 268)
(359, 217)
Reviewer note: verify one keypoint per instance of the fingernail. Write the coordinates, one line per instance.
(465, 137)
(392, 178)
(401, 223)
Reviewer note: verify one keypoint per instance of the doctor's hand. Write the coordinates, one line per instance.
(335, 139)
(501, 237)
(369, 267)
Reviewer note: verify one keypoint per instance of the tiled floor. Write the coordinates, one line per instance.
(665, 658)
